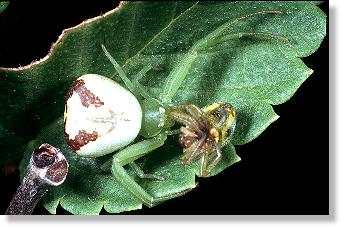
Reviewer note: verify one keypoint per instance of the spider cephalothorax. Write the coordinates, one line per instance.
(205, 132)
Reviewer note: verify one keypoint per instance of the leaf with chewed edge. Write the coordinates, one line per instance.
(153, 33)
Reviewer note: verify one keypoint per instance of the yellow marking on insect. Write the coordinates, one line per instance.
(215, 133)
(222, 117)
(212, 107)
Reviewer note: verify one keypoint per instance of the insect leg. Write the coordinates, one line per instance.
(216, 160)
(203, 164)
(184, 119)
(191, 109)
(195, 151)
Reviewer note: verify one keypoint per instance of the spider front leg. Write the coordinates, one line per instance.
(130, 154)
(181, 70)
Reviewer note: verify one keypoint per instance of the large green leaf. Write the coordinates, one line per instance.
(252, 73)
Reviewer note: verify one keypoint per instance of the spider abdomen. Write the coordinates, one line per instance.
(100, 116)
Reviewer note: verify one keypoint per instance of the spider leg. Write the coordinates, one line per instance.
(139, 86)
(134, 86)
(140, 173)
(119, 69)
(129, 155)
(238, 35)
(211, 39)
(176, 77)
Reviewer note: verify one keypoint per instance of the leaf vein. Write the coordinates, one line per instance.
(131, 32)
(172, 21)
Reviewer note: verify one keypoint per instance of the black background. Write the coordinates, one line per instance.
(284, 171)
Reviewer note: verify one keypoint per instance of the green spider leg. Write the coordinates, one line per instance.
(173, 82)
(135, 87)
(141, 174)
(178, 74)
(141, 89)
(132, 153)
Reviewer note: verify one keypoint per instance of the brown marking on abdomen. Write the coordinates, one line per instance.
(81, 139)
(87, 98)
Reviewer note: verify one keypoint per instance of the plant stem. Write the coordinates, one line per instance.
(27, 196)
(47, 166)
